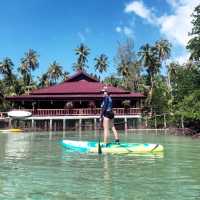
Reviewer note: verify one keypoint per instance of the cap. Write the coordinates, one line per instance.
(104, 89)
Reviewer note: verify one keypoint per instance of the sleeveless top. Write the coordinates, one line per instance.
(106, 105)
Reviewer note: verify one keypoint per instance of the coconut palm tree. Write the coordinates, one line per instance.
(123, 69)
(82, 52)
(30, 60)
(54, 72)
(65, 75)
(164, 49)
(6, 67)
(43, 80)
(149, 59)
(101, 63)
(28, 63)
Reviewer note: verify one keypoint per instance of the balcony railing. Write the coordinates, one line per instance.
(78, 112)
(83, 111)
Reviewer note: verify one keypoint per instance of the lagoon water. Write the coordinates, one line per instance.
(34, 166)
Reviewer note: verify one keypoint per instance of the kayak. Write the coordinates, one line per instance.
(16, 130)
(92, 147)
(19, 114)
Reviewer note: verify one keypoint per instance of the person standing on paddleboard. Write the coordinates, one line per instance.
(107, 117)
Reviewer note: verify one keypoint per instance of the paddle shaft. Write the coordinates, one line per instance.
(99, 138)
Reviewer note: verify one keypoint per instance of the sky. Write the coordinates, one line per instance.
(54, 28)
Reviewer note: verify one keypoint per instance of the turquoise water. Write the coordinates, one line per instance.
(34, 166)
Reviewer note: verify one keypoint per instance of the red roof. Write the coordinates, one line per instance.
(80, 85)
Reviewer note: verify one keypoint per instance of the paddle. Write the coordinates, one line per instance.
(99, 138)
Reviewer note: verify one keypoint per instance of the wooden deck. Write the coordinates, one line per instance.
(78, 112)
(58, 119)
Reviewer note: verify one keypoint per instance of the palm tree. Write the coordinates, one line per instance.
(82, 52)
(28, 63)
(123, 69)
(149, 59)
(65, 75)
(164, 49)
(30, 60)
(54, 72)
(6, 67)
(101, 63)
(43, 80)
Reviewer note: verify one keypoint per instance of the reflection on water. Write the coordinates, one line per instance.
(17, 146)
(35, 166)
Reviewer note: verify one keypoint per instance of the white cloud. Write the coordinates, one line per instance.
(118, 29)
(127, 31)
(177, 26)
(141, 10)
(173, 3)
(174, 27)
(83, 34)
(182, 59)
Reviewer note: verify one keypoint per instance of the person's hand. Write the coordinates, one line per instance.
(100, 119)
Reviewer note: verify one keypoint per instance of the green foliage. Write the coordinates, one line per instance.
(126, 104)
(194, 43)
(151, 58)
(113, 80)
(160, 97)
(189, 107)
(184, 82)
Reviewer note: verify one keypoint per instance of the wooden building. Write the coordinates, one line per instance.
(79, 96)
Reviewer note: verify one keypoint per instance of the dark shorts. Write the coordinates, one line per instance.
(109, 114)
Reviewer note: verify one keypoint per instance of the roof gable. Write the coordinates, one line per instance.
(81, 75)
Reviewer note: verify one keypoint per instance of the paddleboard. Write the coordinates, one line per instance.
(87, 146)
(19, 114)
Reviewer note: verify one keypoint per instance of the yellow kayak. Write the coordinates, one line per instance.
(14, 130)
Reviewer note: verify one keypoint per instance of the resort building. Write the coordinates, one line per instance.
(79, 98)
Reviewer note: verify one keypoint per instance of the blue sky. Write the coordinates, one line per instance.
(54, 28)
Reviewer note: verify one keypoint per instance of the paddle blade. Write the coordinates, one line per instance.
(99, 148)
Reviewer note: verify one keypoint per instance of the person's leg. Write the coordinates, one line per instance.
(116, 135)
(106, 129)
